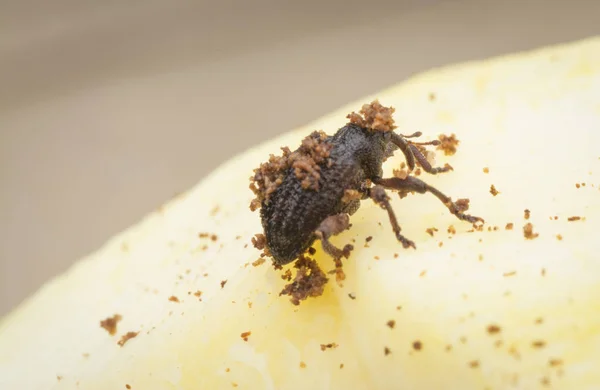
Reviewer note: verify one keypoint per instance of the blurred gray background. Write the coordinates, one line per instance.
(110, 107)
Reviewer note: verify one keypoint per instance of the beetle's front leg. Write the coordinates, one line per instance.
(412, 184)
(332, 226)
(379, 196)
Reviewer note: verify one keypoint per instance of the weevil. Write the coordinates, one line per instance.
(310, 194)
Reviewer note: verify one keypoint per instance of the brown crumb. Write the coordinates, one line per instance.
(396, 255)
(351, 195)
(526, 213)
(474, 363)
(539, 321)
(374, 117)
(480, 257)
(223, 283)
(543, 272)
(391, 324)
(287, 275)
(59, 378)
(312, 251)
(110, 324)
(368, 239)
(328, 346)
(258, 262)
(509, 226)
(545, 381)
(400, 173)
(486, 170)
(423, 273)
(555, 362)
(432, 97)
(198, 294)
(451, 229)
(493, 190)
(309, 281)
(126, 337)
(418, 172)
(127, 387)
(386, 351)
(528, 231)
(234, 384)
(417, 345)
(493, 329)
(245, 335)
(173, 298)
(214, 237)
(259, 241)
(431, 231)
(574, 218)
(448, 144)
(538, 344)
(448, 348)
(441, 244)
(559, 237)
(511, 273)
(302, 365)
(577, 185)
(341, 365)
(352, 296)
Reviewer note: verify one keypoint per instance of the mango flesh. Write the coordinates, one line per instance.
(487, 309)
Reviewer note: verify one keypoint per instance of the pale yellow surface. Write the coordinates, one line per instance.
(532, 119)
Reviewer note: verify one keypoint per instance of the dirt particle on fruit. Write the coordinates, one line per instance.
(391, 324)
(474, 363)
(509, 226)
(493, 190)
(59, 378)
(448, 348)
(198, 294)
(110, 324)
(528, 231)
(432, 97)
(325, 347)
(538, 344)
(555, 362)
(400, 173)
(127, 387)
(223, 283)
(486, 170)
(309, 281)
(441, 244)
(539, 321)
(526, 213)
(173, 298)
(245, 335)
(374, 116)
(448, 144)
(287, 275)
(258, 262)
(508, 274)
(493, 329)
(431, 231)
(577, 185)
(352, 296)
(368, 239)
(386, 351)
(341, 365)
(259, 241)
(574, 218)
(423, 273)
(302, 365)
(417, 345)
(451, 229)
(126, 337)
(559, 237)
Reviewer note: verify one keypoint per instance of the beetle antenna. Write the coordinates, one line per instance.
(434, 143)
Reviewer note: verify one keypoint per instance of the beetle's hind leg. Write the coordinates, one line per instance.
(413, 184)
(378, 195)
(332, 226)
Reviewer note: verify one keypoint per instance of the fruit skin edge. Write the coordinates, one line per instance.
(51, 331)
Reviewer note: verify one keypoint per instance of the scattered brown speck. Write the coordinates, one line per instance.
(173, 298)
(376, 257)
(259, 241)
(474, 363)
(545, 381)
(538, 344)
(341, 365)
(511, 273)
(528, 231)
(509, 226)
(386, 351)
(451, 229)
(543, 272)
(309, 280)
(577, 185)
(110, 324)
(351, 295)
(431, 231)
(238, 237)
(448, 144)
(574, 218)
(258, 262)
(498, 343)
(555, 362)
(486, 170)
(423, 273)
(559, 237)
(395, 255)
(126, 337)
(400, 173)
(463, 339)
(85, 355)
(398, 307)
(493, 329)
(448, 348)
(127, 387)
(312, 251)
(59, 378)
(480, 257)
(368, 239)
(223, 283)
(198, 294)
(493, 190)
(249, 305)
(391, 324)
(441, 244)
(526, 213)
(328, 346)
(245, 335)
(432, 97)
(287, 275)
(234, 384)
(417, 345)
(539, 321)
(302, 365)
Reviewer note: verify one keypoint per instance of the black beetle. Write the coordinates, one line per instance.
(310, 193)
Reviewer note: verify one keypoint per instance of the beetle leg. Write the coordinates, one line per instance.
(424, 163)
(332, 226)
(413, 184)
(378, 195)
(403, 145)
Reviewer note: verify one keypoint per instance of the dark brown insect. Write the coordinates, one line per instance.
(310, 193)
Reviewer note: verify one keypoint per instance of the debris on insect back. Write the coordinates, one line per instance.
(374, 117)
(310, 281)
(313, 151)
